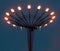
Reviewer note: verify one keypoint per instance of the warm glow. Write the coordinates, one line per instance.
(53, 17)
(45, 25)
(39, 7)
(12, 10)
(51, 21)
(19, 8)
(47, 9)
(7, 14)
(6, 18)
(14, 25)
(29, 6)
(8, 22)
(52, 13)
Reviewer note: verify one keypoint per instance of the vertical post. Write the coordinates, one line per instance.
(30, 40)
(29, 16)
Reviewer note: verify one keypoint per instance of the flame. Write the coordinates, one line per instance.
(52, 13)
(14, 25)
(7, 14)
(39, 7)
(19, 8)
(6, 18)
(29, 6)
(53, 17)
(51, 21)
(12, 10)
(8, 22)
(47, 9)
(46, 25)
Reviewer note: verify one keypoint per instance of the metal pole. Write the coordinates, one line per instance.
(30, 39)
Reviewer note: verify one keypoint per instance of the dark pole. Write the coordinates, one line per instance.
(30, 31)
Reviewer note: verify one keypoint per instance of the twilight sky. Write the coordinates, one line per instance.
(13, 39)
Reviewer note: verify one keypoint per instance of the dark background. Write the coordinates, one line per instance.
(13, 39)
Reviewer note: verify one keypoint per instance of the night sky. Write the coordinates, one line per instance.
(45, 39)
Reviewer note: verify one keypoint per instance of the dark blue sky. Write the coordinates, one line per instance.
(13, 39)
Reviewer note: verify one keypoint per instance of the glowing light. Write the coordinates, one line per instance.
(53, 17)
(46, 25)
(7, 14)
(8, 22)
(39, 7)
(52, 13)
(21, 28)
(14, 25)
(12, 10)
(51, 21)
(47, 9)
(40, 26)
(6, 18)
(29, 7)
(19, 8)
